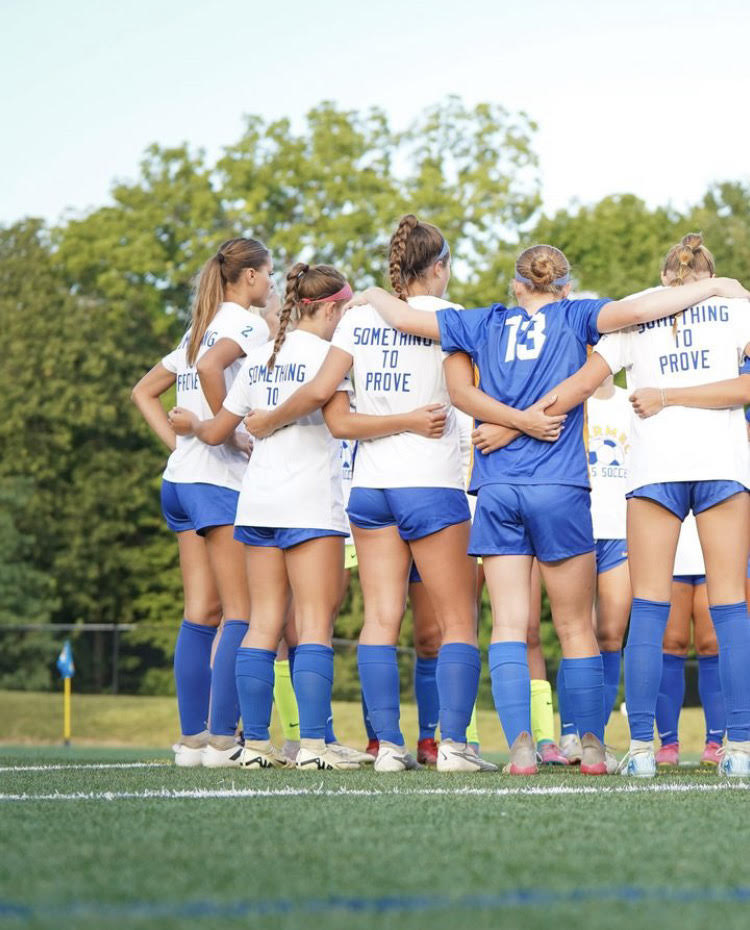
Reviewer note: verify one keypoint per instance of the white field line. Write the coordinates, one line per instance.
(178, 794)
(90, 766)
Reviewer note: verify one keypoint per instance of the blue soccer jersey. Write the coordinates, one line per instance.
(520, 357)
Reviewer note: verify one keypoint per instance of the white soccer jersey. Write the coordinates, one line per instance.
(348, 451)
(465, 429)
(608, 426)
(192, 460)
(689, 557)
(395, 372)
(685, 443)
(294, 477)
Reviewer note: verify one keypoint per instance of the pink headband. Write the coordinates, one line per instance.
(344, 294)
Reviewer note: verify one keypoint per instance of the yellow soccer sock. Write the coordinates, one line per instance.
(286, 703)
(472, 733)
(542, 716)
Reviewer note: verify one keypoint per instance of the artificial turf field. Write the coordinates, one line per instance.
(136, 843)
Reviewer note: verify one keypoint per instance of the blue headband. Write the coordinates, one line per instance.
(444, 251)
(558, 282)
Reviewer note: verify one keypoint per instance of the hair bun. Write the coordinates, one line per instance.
(542, 270)
(692, 241)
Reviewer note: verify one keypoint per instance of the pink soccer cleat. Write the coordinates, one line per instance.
(668, 757)
(549, 753)
(711, 756)
(427, 752)
(372, 748)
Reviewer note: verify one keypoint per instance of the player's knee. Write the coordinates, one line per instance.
(675, 643)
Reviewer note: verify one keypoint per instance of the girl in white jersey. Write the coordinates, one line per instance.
(407, 501)
(200, 490)
(686, 459)
(290, 516)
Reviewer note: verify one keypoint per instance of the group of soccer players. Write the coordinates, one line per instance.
(394, 378)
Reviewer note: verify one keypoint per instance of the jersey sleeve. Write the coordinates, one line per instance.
(613, 348)
(463, 330)
(344, 334)
(172, 361)
(582, 315)
(247, 329)
(238, 400)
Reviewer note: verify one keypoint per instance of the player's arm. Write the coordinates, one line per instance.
(654, 305)
(311, 396)
(398, 313)
(719, 395)
(213, 432)
(577, 388)
(211, 367)
(146, 395)
(344, 423)
(509, 422)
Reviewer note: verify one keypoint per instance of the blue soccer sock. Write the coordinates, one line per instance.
(567, 724)
(584, 687)
(313, 680)
(255, 675)
(712, 699)
(366, 717)
(732, 626)
(426, 695)
(225, 706)
(511, 688)
(643, 660)
(291, 653)
(192, 675)
(611, 662)
(671, 697)
(457, 677)
(378, 673)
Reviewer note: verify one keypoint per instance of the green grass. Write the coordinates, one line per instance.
(392, 856)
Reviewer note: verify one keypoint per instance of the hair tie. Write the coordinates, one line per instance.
(558, 282)
(221, 257)
(444, 252)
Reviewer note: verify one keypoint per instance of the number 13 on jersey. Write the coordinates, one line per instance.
(533, 338)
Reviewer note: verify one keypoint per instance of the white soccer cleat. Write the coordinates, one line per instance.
(226, 758)
(594, 755)
(611, 760)
(188, 753)
(352, 754)
(262, 754)
(458, 757)
(570, 747)
(735, 760)
(640, 761)
(315, 756)
(393, 758)
(522, 756)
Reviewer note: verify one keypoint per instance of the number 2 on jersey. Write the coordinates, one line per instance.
(532, 346)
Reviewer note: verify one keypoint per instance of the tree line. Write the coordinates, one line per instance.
(90, 303)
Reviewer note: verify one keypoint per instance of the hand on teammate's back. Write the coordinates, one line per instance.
(182, 421)
(258, 423)
(535, 421)
(429, 421)
(488, 437)
(729, 287)
(241, 441)
(647, 401)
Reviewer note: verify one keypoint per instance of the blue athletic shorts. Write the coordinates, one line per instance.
(416, 512)
(610, 553)
(197, 506)
(278, 537)
(680, 497)
(414, 575)
(693, 580)
(550, 521)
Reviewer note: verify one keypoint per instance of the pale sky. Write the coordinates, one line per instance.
(642, 97)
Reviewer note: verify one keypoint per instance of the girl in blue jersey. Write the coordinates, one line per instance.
(200, 490)
(533, 496)
(290, 515)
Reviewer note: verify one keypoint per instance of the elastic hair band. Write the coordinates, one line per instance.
(444, 251)
(221, 257)
(345, 293)
(558, 282)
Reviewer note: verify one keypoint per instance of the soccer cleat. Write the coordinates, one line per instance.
(290, 749)
(427, 752)
(593, 755)
(457, 757)
(639, 762)
(570, 747)
(353, 755)
(611, 759)
(262, 754)
(372, 748)
(522, 756)
(549, 753)
(225, 758)
(315, 756)
(188, 753)
(668, 757)
(393, 758)
(735, 760)
(711, 755)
